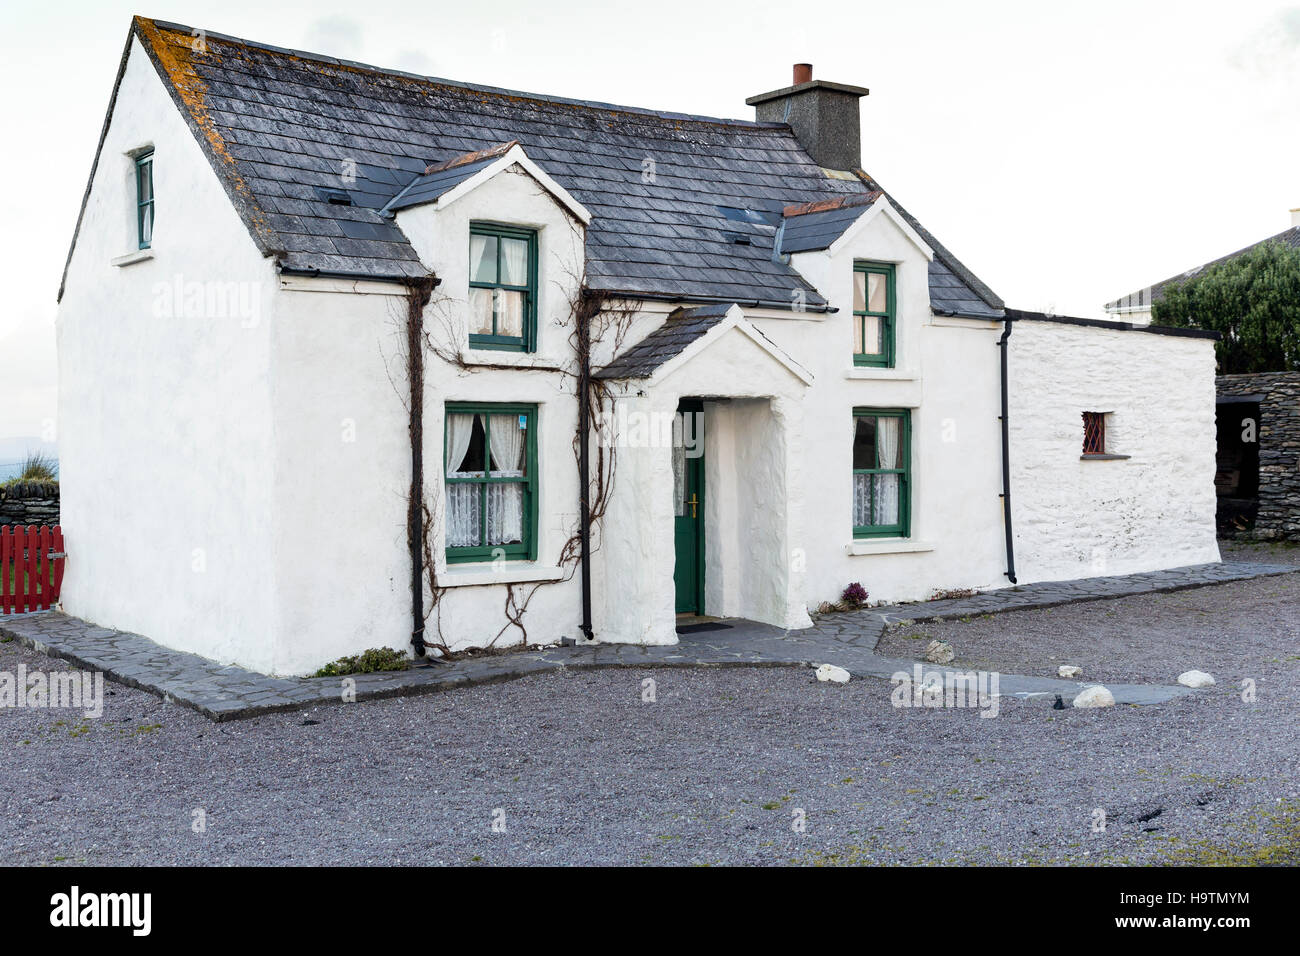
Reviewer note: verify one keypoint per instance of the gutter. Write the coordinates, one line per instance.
(1003, 348)
(722, 300)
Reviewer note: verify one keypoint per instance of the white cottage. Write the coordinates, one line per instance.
(338, 344)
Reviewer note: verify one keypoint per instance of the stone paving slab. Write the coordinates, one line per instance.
(227, 692)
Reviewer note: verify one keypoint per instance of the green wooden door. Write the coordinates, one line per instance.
(688, 521)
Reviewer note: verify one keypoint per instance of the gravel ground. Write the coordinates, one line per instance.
(712, 772)
(1248, 629)
(1278, 552)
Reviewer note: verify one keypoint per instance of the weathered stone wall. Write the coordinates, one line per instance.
(1279, 449)
(37, 504)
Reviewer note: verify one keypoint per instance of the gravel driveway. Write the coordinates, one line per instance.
(1250, 629)
(713, 771)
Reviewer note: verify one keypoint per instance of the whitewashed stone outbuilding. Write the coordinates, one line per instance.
(791, 385)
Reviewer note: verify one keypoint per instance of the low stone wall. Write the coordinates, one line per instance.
(1279, 449)
(33, 504)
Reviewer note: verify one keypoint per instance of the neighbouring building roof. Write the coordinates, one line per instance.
(1143, 298)
(679, 330)
(683, 207)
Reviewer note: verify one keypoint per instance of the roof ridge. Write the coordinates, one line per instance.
(1159, 285)
(826, 205)
(462, 84)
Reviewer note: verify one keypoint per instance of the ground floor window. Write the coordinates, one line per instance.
(1094, 433)
(882, 458)
(490, 460)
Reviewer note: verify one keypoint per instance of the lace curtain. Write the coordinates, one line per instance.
(505, 504)
(879, 493)
(462, 500)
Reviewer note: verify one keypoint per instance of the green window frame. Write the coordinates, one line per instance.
(491, 273)
(144, 210)
(489, 416)
(866, 319)
(882, 476)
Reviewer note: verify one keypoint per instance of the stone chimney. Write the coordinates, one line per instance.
(1295, 218)
(823, 115)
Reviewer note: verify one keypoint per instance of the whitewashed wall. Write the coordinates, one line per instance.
(1076, 518)
(947, 375)
(165, 419)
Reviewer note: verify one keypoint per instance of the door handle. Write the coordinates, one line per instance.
(694, 503)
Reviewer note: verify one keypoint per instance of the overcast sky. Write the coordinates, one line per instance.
(1068, 155)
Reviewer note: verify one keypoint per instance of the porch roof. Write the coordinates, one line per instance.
(668, 341)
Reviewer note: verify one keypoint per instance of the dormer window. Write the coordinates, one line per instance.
(144, 199)
(873, 314)
(502, 287)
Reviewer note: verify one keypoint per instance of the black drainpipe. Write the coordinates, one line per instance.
(1006, 457)
(420, 290)
(584, 477)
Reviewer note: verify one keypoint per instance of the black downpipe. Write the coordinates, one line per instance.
(1006, 457)
(584, 476)
(420, 291)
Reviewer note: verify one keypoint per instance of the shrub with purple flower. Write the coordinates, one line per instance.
(855, 595)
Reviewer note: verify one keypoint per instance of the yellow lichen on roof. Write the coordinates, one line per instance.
(175, 51)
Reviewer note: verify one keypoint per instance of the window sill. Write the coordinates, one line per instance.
(888, 546)
(874, 373)
(476, 355)
(470, 575)
(131, 258)
(1104, 457)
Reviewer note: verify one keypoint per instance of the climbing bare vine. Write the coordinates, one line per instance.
(434, 324)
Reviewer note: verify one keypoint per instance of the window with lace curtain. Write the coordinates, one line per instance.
(882, 459)
(490, 474)
(502, 287)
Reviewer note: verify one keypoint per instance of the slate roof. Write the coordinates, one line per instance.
(1143, 298)
(441, 178)
(679, 330)
(684, 207)
(813, 226)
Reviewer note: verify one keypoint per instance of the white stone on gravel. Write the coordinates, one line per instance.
(1069, 671)
(1195, 679)
(836, 675)
(939, 652)
(1095, 696)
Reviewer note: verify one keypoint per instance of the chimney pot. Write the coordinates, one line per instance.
(802, 73)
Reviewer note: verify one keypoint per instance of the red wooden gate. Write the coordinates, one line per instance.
(31, 567)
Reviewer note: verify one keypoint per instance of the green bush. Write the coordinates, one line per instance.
(367, 662)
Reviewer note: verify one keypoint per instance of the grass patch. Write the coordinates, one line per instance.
(372, 661)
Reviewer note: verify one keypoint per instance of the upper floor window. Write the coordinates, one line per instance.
(873, 314)
(502, 287)
(144, 199)
(882, 472)
(491, 480)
